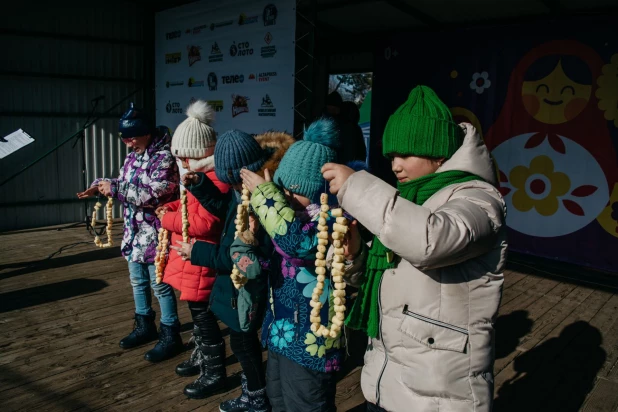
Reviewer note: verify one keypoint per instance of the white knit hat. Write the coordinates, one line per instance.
(195, 136)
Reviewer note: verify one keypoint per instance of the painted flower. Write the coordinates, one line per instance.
(538, 186)
(608, 90)
(332, 365)
(288, 270)
(480, 82)
(314, 347)
(304, 276)
(281, 333)
(271, 207)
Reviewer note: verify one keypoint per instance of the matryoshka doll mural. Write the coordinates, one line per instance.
(553, 147)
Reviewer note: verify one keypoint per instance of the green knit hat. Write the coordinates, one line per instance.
(422, 126)
(300, 170)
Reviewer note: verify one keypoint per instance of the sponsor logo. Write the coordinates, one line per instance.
(195, 83)
(172, 84)
(172, 58)
(243, 19)
(267, 108)
(212, 81)
(242, 49)
(173, 107)
(194, 54)
(252, 76)
(215, 54)
(239, 105)
(221, 24)
(269, 16)
(268, 51)
(265, 76)
(235, 78)
(198, 29)
(173, 35)
(217, 105)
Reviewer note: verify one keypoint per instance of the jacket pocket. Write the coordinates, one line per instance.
(433, 333)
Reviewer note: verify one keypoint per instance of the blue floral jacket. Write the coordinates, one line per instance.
(286, 327)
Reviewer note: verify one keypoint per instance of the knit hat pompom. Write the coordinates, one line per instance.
(422, 126)
(195, 138)
(201, 111)
(323, 131)
(300, 170)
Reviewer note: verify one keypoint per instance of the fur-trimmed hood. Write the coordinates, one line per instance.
(277, 143)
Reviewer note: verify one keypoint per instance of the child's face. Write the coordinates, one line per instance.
(138, 144)
(185, 163)
(297, 201)
(408, 168)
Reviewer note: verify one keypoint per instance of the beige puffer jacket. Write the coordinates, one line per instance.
(436, 346)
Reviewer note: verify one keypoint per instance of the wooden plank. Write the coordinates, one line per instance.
(529, 373)
(603, 398)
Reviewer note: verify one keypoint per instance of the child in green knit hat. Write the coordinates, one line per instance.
(432, 278)
(301, 365)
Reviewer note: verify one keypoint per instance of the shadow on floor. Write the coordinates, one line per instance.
(556, 375)
(510, 329)
(53, 263)
(39, 295)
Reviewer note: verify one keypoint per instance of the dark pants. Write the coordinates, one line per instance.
(294, 388)
(206, 322)
(374, 408)
(245, 345)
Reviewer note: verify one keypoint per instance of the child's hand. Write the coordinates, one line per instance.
(183, 250)
(88, 192)
(252, 180)
(352, 241)
(105, 188)
(337, 175)
(254, 224)
(190, 178)
(160, 211)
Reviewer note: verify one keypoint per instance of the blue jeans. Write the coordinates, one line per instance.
(143, 277)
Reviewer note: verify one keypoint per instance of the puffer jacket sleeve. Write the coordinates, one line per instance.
(200, 223)
(161, 187)
(466, 226)
(210, 195)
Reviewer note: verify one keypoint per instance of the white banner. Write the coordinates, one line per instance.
(237, 55)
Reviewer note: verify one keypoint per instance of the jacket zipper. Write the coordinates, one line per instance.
(382, 339)
(296, 321)
(433, 321)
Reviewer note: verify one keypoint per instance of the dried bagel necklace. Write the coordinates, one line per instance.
(340, 228)
(162, 245)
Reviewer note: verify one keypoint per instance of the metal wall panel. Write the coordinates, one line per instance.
(45, 47)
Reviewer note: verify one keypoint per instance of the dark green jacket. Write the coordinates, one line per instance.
(224, 296)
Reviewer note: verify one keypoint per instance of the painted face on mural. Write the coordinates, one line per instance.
(556, 89)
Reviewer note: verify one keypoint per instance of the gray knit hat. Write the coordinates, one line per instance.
(195, 136)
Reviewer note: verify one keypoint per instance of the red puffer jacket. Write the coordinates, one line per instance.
(193, 282)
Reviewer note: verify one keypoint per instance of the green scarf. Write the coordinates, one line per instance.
(365, 313)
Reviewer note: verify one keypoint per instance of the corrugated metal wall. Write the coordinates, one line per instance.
(58, 58)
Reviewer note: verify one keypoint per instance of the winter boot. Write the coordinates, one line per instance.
(258, 402)
(191, 367)
(240, 404)
(212, 372)
(169, 345)
(144, 331)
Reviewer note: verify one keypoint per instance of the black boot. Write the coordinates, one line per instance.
(191, 367)
(212, 372)
(144, 331)
(169, 345)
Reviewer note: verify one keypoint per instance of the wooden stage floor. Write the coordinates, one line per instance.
(65, 304)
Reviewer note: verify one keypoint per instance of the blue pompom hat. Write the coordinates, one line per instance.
(300, 170)
(236, 150)
(134, 123)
